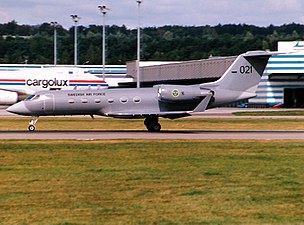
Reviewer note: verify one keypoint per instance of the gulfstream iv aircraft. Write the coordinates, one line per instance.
(16, 84)
(239, 82)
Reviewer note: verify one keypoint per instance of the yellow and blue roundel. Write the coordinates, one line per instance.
(175, 93)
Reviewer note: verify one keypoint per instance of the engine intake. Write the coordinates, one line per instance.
(8, 97)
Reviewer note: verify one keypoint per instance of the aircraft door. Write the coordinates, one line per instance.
(49, 104)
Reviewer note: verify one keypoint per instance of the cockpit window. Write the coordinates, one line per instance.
(32, 97)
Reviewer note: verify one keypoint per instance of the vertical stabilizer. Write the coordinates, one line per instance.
(241, 79)
(245, 72)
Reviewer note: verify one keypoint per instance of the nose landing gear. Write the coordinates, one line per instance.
(32, 124)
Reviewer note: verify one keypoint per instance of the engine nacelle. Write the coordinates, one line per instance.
(173, 93)
(8, 97)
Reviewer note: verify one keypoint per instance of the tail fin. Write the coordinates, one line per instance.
(241, 79)
(245, 72)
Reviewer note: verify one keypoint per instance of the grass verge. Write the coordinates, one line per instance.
(271, 113)
(74, 123)
(151, 182)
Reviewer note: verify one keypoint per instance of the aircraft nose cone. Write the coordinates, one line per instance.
(19, 108)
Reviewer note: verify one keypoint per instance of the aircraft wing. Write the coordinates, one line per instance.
(171, 114)
(201, 107)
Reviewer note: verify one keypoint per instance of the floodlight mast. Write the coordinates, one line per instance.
(138, 45)
(103, 9)
(55, 25)
(75, 18)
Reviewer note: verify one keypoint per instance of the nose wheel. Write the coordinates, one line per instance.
(32, 124)
(31, 128)
(152, 123)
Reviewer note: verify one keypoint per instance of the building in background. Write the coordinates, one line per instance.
(184, 72)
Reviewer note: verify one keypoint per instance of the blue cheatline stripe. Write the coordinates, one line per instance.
(94, 85)
(286, 56)
(22, 84)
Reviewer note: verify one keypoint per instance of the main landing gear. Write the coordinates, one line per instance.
(32, 124)
(152, 124)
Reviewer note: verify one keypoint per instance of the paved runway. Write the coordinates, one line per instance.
(172, 135)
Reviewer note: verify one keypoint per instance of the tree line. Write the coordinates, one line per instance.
(34, 44)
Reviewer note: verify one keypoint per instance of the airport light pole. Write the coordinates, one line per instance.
(138, 45)
(55, 24)
(103, 9)
(75, 18)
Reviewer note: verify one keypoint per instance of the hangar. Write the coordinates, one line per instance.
(283, 79)
(185, 72)
(282, 82)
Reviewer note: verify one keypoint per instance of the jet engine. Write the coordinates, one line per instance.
(182, 93)
(8, 97)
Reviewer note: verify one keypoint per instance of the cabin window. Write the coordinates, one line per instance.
(123, 100)
(136, 99)
(84, 100)
(110, 100)
(71, 101)
(97, 100)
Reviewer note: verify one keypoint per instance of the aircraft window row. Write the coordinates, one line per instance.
(123, 100)
(84, 100)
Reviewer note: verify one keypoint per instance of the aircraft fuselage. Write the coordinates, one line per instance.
(110, 102)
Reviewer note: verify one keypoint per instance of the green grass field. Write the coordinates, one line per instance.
(151, 182)
(75, 123)
(271, 113)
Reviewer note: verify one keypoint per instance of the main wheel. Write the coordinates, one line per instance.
(154, 127)
(152, 124)
(31, 128)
